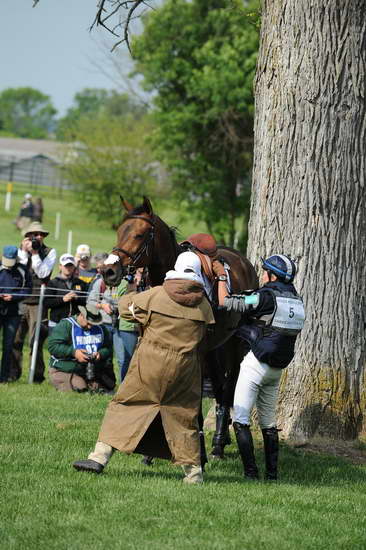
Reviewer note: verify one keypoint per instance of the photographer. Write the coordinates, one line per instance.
(68, 291)
(80, 349)
(40, 260)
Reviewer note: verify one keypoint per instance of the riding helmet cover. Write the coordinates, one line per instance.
(280, 265)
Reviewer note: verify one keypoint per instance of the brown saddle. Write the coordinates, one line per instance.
(205, 247)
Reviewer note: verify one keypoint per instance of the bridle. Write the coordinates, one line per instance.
(144, 249)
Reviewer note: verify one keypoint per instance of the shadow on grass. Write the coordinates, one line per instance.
(296, 467)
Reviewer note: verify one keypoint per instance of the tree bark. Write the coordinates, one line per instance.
(309, 198)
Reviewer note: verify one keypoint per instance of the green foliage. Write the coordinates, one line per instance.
(92, 103)
(109, 157)
(199, 58)
(26, 112)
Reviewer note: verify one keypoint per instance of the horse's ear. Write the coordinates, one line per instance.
(127, 206)
(147, 206)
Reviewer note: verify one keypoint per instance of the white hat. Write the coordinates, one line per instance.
(66, 259)
(27, 196)
(83, 250)
(187, 266)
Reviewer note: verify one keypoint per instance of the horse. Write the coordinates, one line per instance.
(145, 240)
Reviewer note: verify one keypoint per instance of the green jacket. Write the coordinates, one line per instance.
(62, 350)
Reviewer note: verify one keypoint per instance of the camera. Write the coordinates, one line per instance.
(36, 245)
(114, 317)
(90, 368)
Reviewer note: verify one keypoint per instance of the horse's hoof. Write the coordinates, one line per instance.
(217, 456)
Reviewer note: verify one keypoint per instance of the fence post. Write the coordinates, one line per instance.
(36, 335)
(9, 189)
(57, 226)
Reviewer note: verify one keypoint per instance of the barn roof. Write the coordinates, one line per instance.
(21, 148)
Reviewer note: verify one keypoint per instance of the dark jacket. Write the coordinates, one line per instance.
(60, 309)
(268, 345)
(19, 277)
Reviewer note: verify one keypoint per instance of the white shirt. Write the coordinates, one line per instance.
(41, 268)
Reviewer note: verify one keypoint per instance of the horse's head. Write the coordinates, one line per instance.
(135, 238)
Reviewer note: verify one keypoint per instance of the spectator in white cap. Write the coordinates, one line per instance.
(68, 291)
(40, 260)
(83, 259)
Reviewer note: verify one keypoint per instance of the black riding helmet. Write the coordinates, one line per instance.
(280, 265)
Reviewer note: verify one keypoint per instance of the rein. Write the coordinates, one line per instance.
(144, 249)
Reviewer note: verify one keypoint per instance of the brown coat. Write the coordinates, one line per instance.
(155, 409)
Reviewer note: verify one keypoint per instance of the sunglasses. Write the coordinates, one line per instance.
(38, 234)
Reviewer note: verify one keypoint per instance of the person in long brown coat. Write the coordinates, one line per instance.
(155, 410)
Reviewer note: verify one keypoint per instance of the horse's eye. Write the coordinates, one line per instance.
(138, 236)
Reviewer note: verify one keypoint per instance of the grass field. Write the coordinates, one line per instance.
(319, 502)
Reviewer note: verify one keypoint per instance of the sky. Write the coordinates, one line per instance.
(49, 47)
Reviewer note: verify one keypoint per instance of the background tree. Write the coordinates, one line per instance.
(108, 157)
(91, 103)
(308, 200)
(199, 58)
(26, 112)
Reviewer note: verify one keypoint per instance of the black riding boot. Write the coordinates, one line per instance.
(222, 435)
(271, 446)
(203, 454)
(246, 449)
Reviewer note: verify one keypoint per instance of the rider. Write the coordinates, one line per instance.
(272, 318)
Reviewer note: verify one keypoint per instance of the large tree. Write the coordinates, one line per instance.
(199, 59)
(26, 112)
(309, 198)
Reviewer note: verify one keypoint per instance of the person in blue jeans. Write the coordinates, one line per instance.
(123, 333)
(15, 284)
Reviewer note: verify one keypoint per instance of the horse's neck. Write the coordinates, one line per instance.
(166, 250)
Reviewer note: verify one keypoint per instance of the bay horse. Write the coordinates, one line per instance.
(145, 240)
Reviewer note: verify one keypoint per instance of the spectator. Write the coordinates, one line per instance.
(71, 344)
(26, 212)
(40, 260)
(38, 210)
(69, 292)
(15, 283)
(123, 333)
(83, 256)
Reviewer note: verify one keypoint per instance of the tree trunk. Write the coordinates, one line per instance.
(308, 200)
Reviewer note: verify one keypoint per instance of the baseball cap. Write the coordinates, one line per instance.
(27, 196)
(67, 259)
(9, 257)
(83, 250)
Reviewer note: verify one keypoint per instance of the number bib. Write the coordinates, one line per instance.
(90, 340)
(289, 316)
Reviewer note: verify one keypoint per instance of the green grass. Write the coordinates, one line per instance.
(319, 503)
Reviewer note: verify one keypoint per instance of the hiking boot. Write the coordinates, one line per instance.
(193, 474)
(88, 466)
